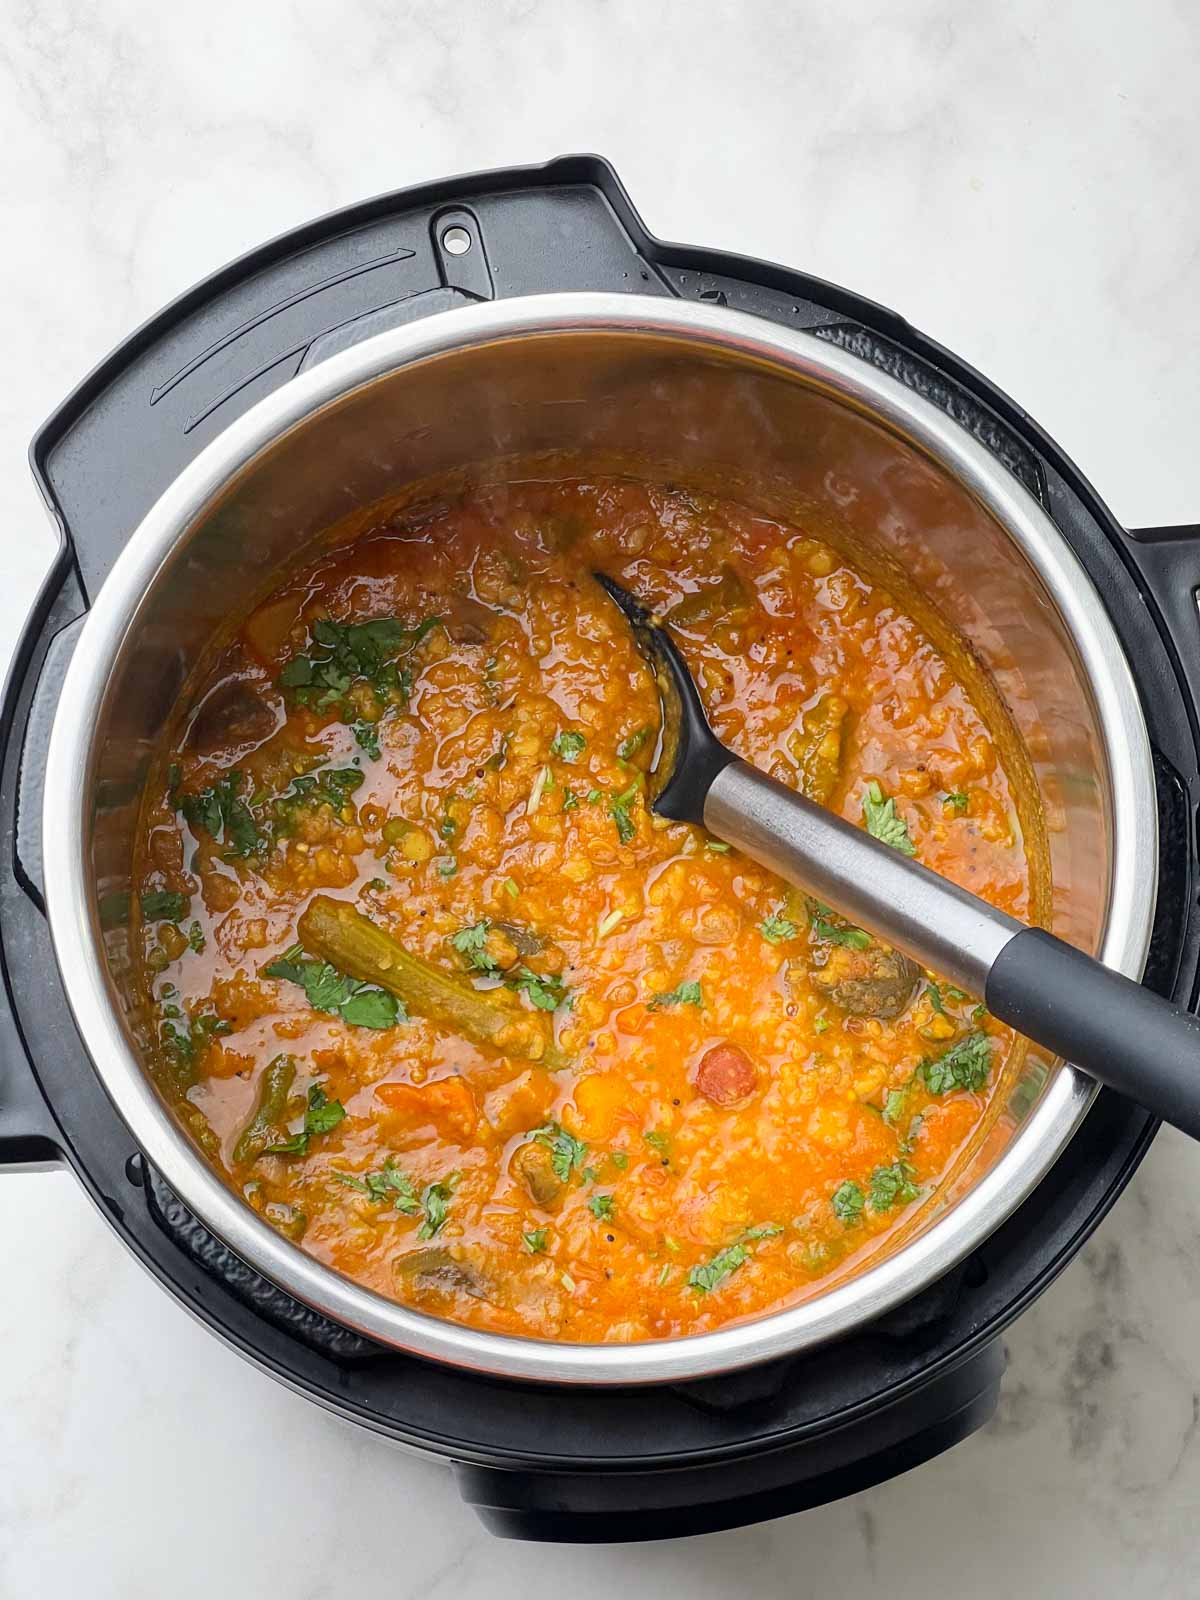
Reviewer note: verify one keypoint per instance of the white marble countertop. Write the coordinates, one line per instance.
(1023, 182)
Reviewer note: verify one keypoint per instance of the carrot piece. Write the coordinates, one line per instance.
(447, 1103)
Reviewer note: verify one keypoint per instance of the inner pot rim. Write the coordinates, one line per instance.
(734, 336)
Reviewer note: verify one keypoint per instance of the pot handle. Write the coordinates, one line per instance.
(1168, 560)
(29, 1138)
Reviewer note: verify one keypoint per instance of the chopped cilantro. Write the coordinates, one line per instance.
(658, 1141)
(535, 1241)
(362, 1005)
(568, 745)
(618, 810)
(566, 1151)
(776, 929)
(435, 1202)
(219, 812)
(601, 1207)
(195, 938)
(321, 1115)
(934, 995)
(685, 994)
(340, 654)
(847, 1201)
(593, 795)
(447, 867)
(471, 944)
(820, 1024)
(633, 742)
(892, 1186)
(366, 737)
(165, 905)
(965, 1065)
(893, 1106)
(710, 1277)
(389, 1184)
(620, 1159)
(543, 990)
(959, 801)
(832, 933)
(331, 787)
(879, 813)
(570, 801)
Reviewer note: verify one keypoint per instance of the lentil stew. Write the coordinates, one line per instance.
(439, 996)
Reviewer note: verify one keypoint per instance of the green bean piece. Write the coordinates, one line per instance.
(268, 1123)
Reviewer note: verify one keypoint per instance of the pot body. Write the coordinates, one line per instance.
(706, 398)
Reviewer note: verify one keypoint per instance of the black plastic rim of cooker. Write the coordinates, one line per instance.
(538, 1463)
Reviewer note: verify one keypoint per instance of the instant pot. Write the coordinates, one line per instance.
(516, 319)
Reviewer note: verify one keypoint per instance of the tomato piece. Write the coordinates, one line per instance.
(726, 1075)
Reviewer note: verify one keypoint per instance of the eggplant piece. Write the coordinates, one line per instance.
(468, 621)
(233, 713)
(875, 982)
(532, 1165)
(267, 1123)
(338, 933)
(714, 603)
(816, 748)
(437, 1271)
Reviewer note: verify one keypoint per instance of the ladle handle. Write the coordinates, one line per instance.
(1123, 1035)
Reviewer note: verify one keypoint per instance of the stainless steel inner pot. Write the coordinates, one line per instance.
(701, 396)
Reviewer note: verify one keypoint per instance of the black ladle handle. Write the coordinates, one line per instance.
(1105, 1024)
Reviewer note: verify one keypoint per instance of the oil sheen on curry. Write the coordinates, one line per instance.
(443, 1000)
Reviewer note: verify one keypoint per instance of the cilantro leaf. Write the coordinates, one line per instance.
(568, 745)
(543, 990)
(958, 801)
(165, 905)
(658, 1141)
(371, 1008)
(566, 1152)
(879, 813)
(892, 1186)
(686, 994)
(633, 742)
(618, 810)
(893, 1106)
(776, 929)
(710, 1277)
(707, 1278)
(339, 654)
(320, 1116)
(601, 1207)
(435, 1202)
(361, 1005)
(392, 1183)
(471, 944)
(965, 1065)
(535, 1241)
(366, 737)
(847, 1201)
(831, 933)
(219, 812)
